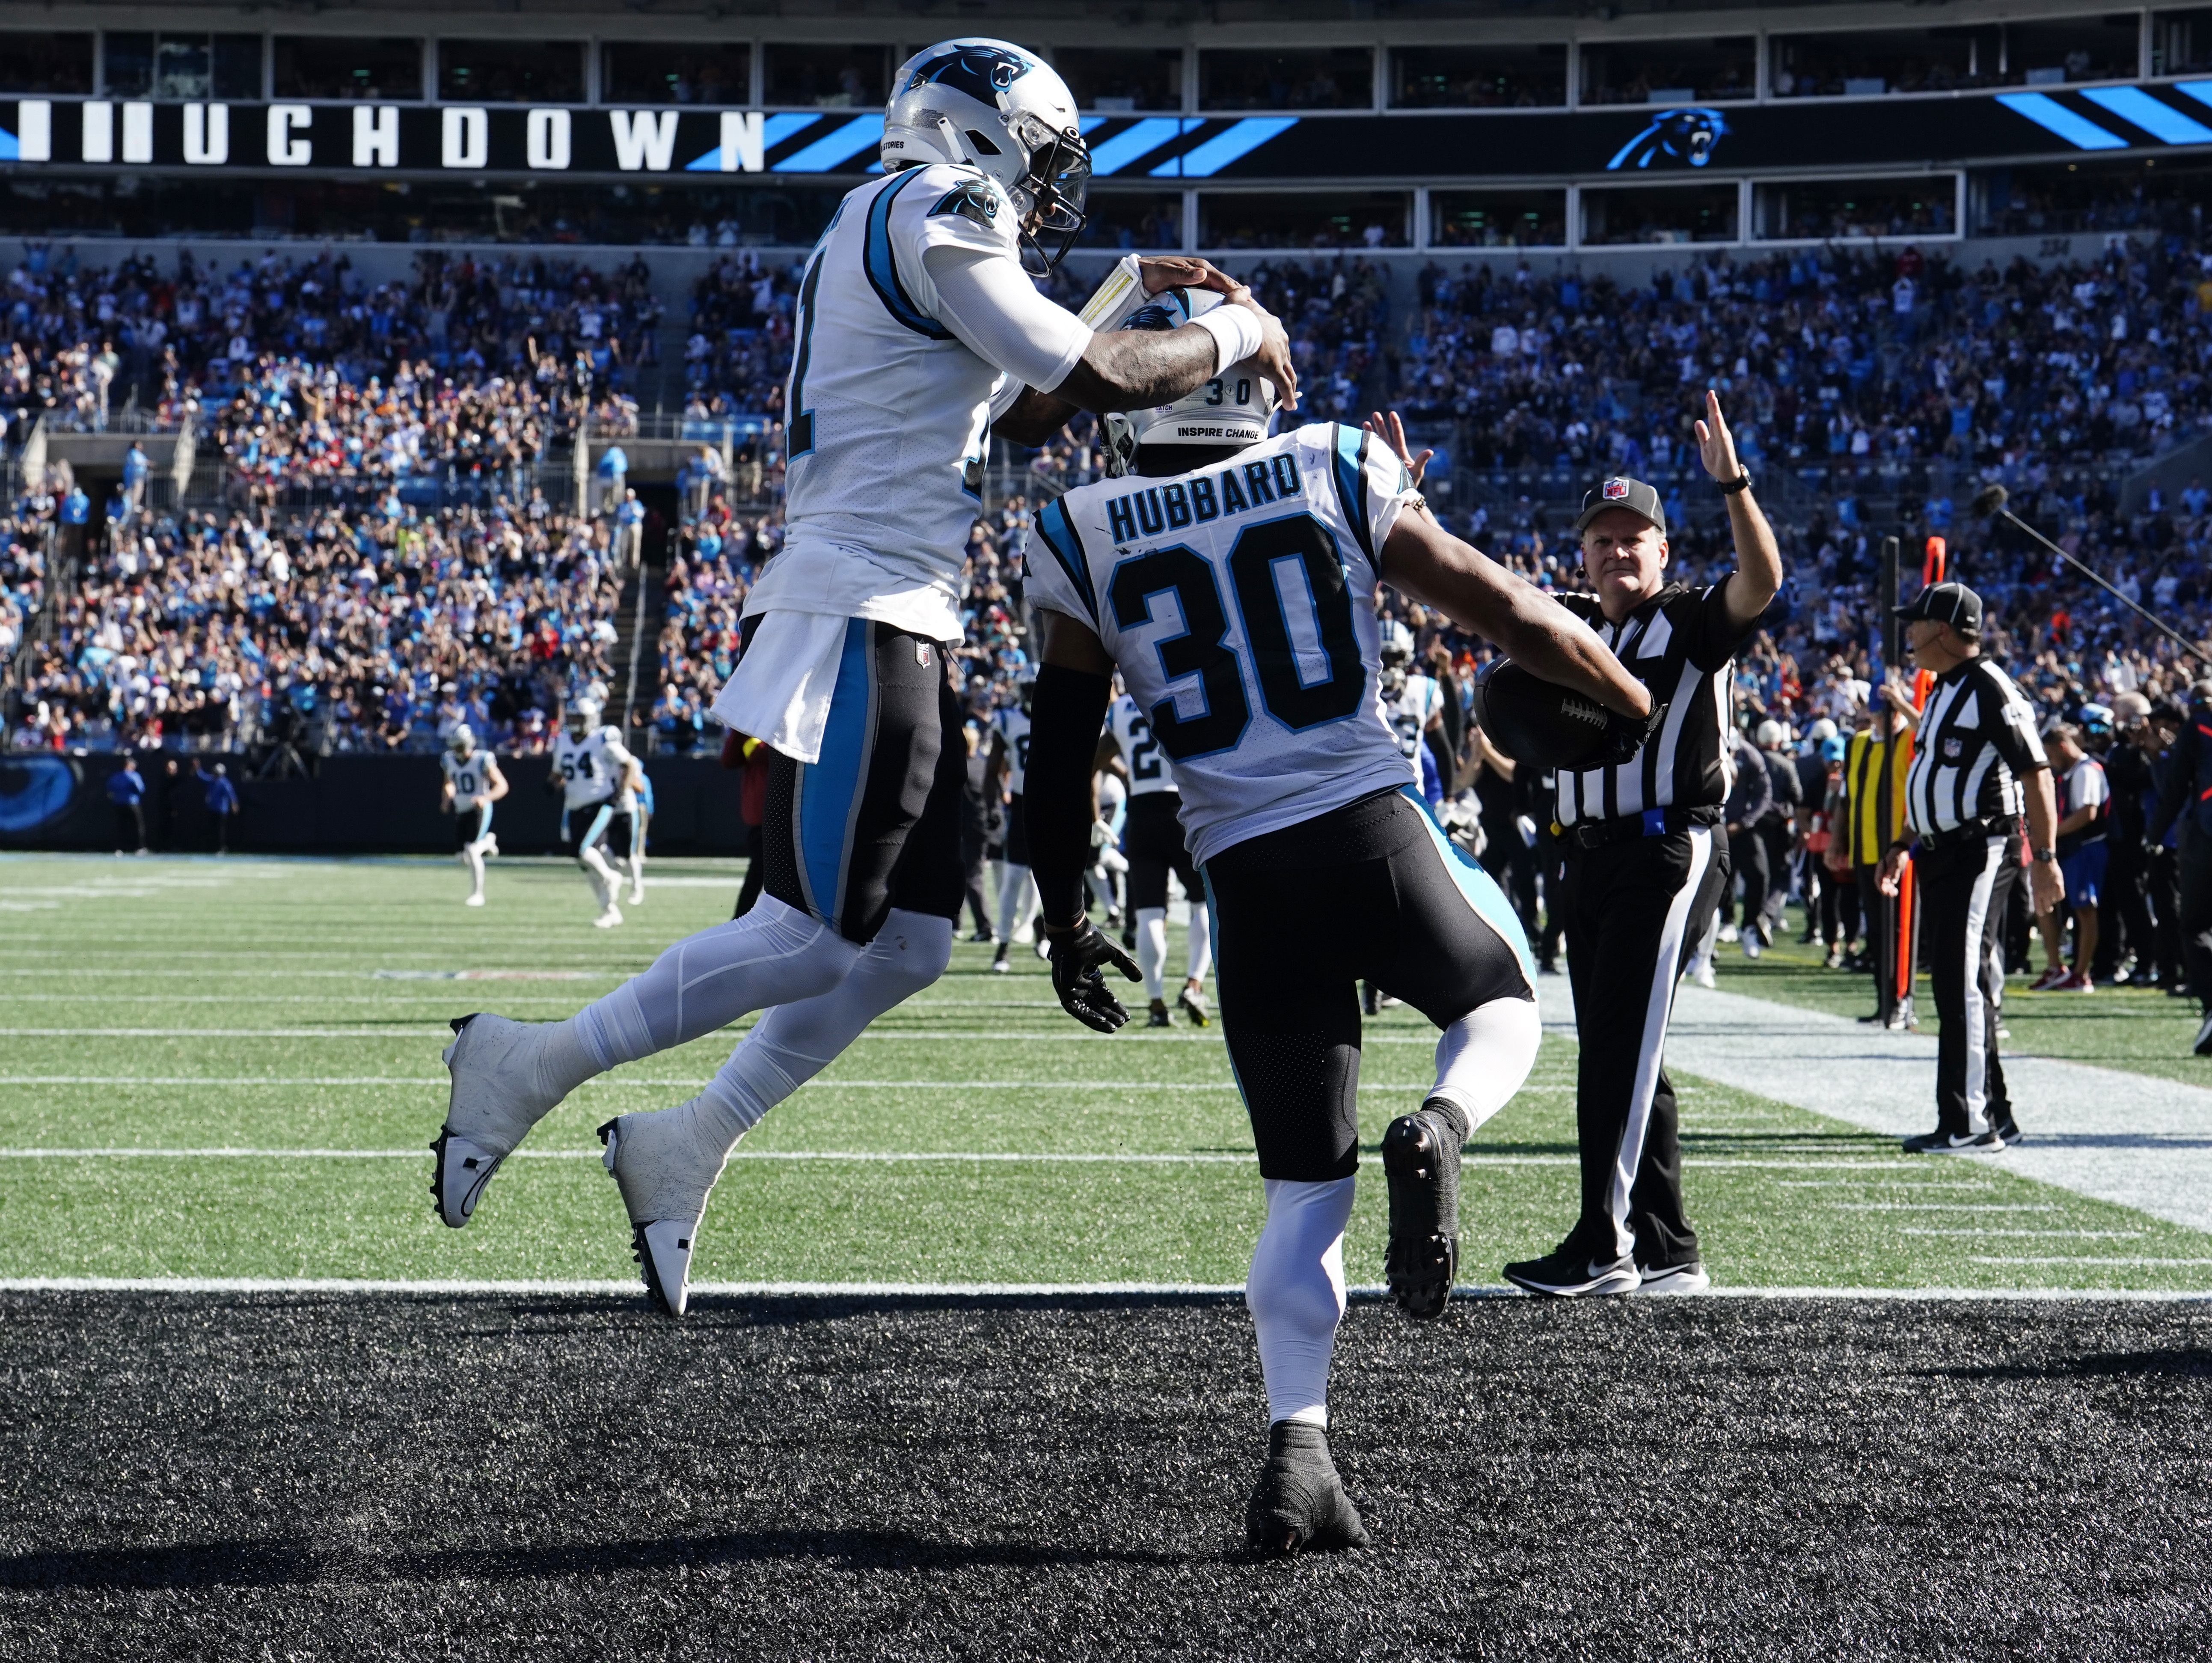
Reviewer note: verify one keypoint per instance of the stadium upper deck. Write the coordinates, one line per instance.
(1225, 125)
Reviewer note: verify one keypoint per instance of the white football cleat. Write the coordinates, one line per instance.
(608, 919)
(473, 900)
(665, 1177)
(636, 895)
(494, 1102)
(488, 845)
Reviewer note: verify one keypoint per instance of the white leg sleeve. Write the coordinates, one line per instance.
(1012, 880)
(1296, 1294)
(795, 1042)
(1152, 947)
(1482, 1058)
(776, 954)
(472, 858)
(1102, 887)
(1201, 939)
(602, 876)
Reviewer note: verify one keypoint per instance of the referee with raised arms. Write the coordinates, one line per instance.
(1645, 870)
(1977, 763)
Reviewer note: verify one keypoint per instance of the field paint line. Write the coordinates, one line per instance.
(1945, 1206)
(1908, 1183)
(918, 1036)
(1084, 1086)
(632, 1290)
(1970, 1231)
(2076, 1259)
(2106, 1133)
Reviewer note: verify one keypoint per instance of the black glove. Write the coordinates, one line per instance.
(1625, 735)
(1077, 953)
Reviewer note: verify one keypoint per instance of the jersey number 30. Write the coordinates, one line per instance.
(1263, 560)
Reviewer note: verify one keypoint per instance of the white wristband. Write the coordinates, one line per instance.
(1235, 331)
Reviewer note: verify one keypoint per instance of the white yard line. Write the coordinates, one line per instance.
(1944, 1206)
(2131, 1264)
(1976, 1233)
(2107, 1133)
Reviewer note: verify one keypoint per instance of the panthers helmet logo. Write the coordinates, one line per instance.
(1679, 138)
(982, 72)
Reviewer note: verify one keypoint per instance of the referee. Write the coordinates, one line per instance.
(1977, 762)
(1646, 870)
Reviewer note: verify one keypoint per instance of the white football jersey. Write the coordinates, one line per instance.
(1013, 725)
(1239, 602)
(887, 410)
(471, 775)
(592, 768)
(1420, 699)
(1148, 766)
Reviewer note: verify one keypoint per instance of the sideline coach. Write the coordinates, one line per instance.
(1646, 870)
(1977, 762)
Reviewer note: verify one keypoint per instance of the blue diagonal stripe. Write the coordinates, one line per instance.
(1226, 147)
(773, 132)
(1131, 143)
(2048, 114)
(2160, 121)
(2199, 90)
(862, 132)
(11, 148)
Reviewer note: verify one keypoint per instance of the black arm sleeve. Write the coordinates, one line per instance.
(1066, 713)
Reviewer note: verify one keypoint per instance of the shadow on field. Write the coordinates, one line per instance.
(2177, 1365)
(284, 1562)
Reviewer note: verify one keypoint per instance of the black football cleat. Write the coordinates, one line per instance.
(1942, 1142)
(1299, 1504)
(1420, 1158)
(1567, 1272)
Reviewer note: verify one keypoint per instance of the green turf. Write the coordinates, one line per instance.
(299, 1006)
(2137, 1029)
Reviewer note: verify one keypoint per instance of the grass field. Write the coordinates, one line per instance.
(230, 1068)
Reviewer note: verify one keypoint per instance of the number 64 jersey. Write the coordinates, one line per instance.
(1239, 601)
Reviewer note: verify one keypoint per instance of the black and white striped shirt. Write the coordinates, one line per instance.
(1976, 739)
(1682, 645)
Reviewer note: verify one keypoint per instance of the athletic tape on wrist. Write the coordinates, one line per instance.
(1235, 331)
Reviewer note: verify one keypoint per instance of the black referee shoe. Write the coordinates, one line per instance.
(1420, 1157)
(1943, 1142)
(1567, 1272)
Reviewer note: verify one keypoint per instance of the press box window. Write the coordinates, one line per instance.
(46, 64)
(1304, 219)
(1478, 77)
(2181, 41)
(689, 72)
(1862, 63)
(1822, 209)
(511, 71)
(1129, 219)
(1686, 213)
(346, 66)
(194, 66)
(1669, 71)
(1324, 78)
(827, 78)
(1497, 219)
(1115, 82)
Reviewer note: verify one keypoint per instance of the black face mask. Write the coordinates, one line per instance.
(1059, 181)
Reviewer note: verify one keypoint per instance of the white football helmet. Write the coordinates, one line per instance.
(462, 739)
(989, 105)
(1234, 409)
(584, 717)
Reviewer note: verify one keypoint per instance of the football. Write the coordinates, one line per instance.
(1536, 722)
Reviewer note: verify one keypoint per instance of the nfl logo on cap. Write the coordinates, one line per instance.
(1615, 490)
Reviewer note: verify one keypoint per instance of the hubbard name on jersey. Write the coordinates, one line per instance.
(1239, 602)
(591, 768)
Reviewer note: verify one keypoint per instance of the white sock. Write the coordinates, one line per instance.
(1152, 946)
(637, 873)
(1017, 897)
(776, 954)
(795, 1042)
(1296, 1294)
(1483, 1058)
(472, 858)
(604, 884)
(1201, 939)
(1102, 887)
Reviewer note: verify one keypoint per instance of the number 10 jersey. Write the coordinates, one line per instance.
(1239, 601)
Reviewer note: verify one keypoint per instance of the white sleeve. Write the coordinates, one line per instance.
(615, 752)
(989, 303)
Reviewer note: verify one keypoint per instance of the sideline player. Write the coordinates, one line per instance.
(595, 775)
(640, 816)
(1233, 582)
(930, 326)
(1152, 842)
(473, 784)
(1010, 761)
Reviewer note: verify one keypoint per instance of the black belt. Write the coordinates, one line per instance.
(1967, 831)
(1652, 823)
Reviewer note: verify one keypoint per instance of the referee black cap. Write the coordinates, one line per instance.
(1947, 603)
(1633, 495)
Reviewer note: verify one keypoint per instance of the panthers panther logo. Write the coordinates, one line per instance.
(982, 72)
(1679, 138)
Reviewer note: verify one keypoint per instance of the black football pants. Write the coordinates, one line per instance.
(1636, 911)
(1963, 889)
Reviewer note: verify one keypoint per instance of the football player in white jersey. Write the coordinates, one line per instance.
(918, 325)
(1232, 580)
(595, 774)
(473, 782)
(1152, 840)
(1010, 760)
